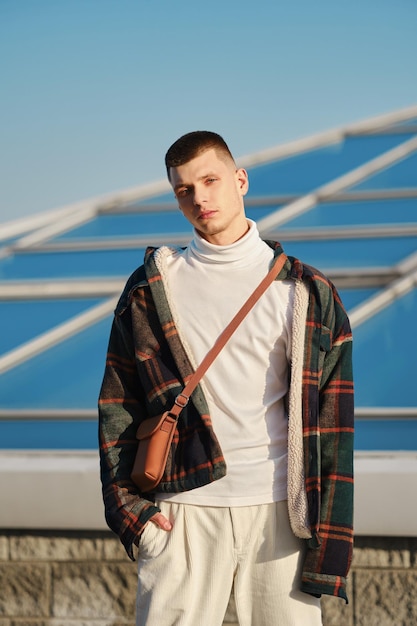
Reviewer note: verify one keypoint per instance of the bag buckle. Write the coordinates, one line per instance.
(181, 400)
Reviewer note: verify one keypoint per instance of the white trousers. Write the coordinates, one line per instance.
(186, 575)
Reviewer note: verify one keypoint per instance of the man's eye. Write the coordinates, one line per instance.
(181, 193)
(211, 180)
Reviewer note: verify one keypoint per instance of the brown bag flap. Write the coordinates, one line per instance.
(152, 424)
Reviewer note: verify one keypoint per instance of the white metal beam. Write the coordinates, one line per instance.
(48, 290)
(57, 334)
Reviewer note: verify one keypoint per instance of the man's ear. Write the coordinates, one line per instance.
(243, 181)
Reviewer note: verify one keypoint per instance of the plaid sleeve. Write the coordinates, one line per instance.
(329, 553)
(120, 411)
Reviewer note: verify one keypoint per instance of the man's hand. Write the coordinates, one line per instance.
(161, 521)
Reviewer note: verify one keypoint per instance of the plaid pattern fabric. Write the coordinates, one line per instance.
(328, 428)
(147, 367)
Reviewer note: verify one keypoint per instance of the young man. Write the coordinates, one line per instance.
(257, 491)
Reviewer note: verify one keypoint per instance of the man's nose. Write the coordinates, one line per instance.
(200, 196)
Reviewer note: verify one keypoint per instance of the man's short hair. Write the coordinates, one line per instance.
(192, 145)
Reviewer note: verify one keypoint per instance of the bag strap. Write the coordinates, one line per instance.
(182, 399)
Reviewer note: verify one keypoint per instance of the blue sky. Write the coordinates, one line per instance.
(94, 91)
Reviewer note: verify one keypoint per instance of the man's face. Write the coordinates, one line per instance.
(210, 192)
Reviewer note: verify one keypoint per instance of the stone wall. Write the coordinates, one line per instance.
(85, 579)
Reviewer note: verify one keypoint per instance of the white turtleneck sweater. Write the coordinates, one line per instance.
(245, 386)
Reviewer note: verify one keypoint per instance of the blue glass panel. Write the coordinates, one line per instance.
(25, 319)
(402, 174)
(67, 375)
(48, 435)
(303, 172)
(341, 253)
(42, 265)
(395, 211)
(398, 434)
(384, 356)
(353, 297)
(130, 225)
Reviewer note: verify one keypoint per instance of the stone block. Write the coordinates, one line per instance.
(93, 590)
(336, 612)
(29, 622)
(104, 622)
(4, 549)
(385, 598)
(382, 552)
(25, 590)
(113, 550)
(35, 547)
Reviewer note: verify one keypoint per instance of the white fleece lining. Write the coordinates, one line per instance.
(297, 496)
(160, 257)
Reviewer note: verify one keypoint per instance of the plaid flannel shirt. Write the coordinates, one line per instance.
(147, 367)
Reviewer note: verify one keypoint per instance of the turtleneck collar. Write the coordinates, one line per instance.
(245, 249)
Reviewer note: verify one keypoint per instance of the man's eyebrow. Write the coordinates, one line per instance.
(178, 185)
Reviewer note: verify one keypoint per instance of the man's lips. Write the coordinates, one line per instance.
(204, 215)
